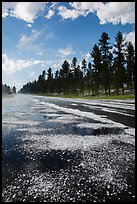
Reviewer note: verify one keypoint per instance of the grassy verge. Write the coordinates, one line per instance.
(111, 97)
(7, 96)
(126, 96)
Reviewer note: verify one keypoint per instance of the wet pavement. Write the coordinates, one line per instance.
(62, 150)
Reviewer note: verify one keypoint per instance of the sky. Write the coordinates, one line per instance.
(39, 35)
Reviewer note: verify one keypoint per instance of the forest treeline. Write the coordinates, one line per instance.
(112, 71)
(8, 90)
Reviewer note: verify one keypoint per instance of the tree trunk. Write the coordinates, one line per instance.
(106, 90)
(123, 91)
(109, 89)
(117, 92)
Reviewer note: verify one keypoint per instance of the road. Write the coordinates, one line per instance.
(62, 150)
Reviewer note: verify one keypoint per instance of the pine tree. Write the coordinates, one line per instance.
(119, 61)
(130, 60)
(84, 67)
(96, 55)
(89, 77)
(14, 89)
(65, 75)
(74, 62)
(50, 80)
(105, 55)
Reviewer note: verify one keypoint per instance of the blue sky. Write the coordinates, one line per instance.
(39, 35)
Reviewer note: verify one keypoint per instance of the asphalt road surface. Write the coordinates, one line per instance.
(62, 150)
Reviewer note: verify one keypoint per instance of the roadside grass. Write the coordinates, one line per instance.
(111, 97)
(7, 96)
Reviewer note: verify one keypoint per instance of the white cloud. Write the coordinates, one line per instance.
(10, 66)
(130, 37)
(54, 64)
(50, 14)
(66, 51)
(29, 25)
(117, 12)
(113, 12)
(28, 43)
(68, 13)
(27, 11)
(18, 84)
(6, 6)
(32, 74)
(87, 57)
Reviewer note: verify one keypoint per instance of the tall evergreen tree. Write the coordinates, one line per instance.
(96, 55)
(5, 89)
(65, 69)
(41, 82)
(74, 62)
(14, 89)
(50, 80)
(84, 67)
(105, 54)
(130, 60)
(43, 74)
(119, 61)
(65, 75)
(89, 77)
(49, 74)
(78, 75)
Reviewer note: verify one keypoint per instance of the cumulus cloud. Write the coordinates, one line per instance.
(117, 12)
(32, 74)
(68, 13)
(10, 66)
(50, 14)
(110, 12)
(130, 37)
(6, 6)
(87, 57)
(29, 25)
(27, 11)
(28, 43)
(66, 51)
(54, 64)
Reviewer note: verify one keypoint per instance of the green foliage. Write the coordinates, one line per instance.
(130, 60)
(106, 59)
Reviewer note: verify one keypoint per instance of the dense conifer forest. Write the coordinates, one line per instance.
(8, 90)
